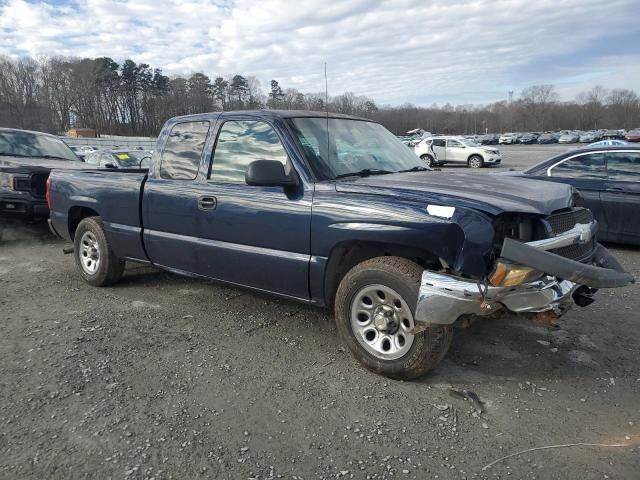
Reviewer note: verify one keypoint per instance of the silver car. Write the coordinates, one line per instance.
(445, 149)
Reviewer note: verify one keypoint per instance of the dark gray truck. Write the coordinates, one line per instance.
(26, 158)
(334, 211)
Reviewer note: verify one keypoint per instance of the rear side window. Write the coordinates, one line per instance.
(240, 143)
(183, 149)
(623, 166)
(584, 166)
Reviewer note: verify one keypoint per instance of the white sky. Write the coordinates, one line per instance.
(395, 52)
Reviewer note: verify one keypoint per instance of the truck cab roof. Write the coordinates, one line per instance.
(268, 114)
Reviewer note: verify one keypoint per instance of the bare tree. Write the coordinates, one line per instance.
(537, 101)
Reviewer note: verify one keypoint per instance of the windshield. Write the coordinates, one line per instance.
(26, 144)
(353, 146)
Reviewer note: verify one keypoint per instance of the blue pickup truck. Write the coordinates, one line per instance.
(335, 211)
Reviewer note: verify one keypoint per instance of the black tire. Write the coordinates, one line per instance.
(110, 267)
(475, 161)
(2, 225)
(403, 276)
(428, 159)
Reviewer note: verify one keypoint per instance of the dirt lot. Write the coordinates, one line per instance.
(168, 377)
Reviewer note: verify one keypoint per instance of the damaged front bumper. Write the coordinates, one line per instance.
(443, 299)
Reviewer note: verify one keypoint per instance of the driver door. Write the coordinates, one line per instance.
(251, 235)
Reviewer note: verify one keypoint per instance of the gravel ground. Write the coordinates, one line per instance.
(162, 376)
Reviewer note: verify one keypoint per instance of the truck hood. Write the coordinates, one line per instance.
(493, 194)
(21, 163)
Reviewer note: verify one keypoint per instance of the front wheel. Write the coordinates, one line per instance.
(374, 310)
(476, 161)
(95, 260)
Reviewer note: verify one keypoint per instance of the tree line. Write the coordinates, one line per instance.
(53, 94)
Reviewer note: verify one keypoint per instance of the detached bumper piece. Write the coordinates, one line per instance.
(603, 272)
(443, 299)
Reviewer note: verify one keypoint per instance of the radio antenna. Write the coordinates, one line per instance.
(326, 108)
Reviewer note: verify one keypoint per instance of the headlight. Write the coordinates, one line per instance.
(6, 181)
(510, 274)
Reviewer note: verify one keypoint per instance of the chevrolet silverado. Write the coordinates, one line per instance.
(335, 211)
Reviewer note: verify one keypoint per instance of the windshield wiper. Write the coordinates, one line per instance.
(366, 172)
(54, 157)
(18, 155)
(414, 169)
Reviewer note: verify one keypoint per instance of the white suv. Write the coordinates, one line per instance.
(508, 139)
(444, 149)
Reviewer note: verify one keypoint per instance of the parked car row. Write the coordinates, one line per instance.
(120, 158)
(563, 136)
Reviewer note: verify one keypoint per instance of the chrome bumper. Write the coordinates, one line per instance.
(580, 233)
(442, 299)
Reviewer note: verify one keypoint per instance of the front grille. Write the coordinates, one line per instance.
(564, 221)
(575, 252)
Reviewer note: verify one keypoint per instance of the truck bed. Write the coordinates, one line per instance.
(114, 195)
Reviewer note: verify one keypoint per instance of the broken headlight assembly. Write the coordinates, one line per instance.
(506, 274)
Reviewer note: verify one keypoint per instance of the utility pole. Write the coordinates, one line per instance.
(510, 110)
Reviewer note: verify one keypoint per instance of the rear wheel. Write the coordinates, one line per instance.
(95, 260)
(429, 160)
(374, 310)
(475, 161)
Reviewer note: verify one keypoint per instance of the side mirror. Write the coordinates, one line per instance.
(110, 165)
(268, 173)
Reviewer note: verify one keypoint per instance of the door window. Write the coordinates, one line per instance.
(584, 166)
(182, 150)
(623, 166)
(241, 142)
(439, 142)
(454, 144)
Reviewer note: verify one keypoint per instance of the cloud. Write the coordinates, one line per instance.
(402, 51)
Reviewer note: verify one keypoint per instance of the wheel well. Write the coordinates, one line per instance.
(475, 155)
(347, 255)
(76, 215)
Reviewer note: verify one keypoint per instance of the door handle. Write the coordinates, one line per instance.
(615, 189)
(207, 203)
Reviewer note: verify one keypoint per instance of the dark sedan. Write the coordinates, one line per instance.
(547, 138)
(608, 179)
(528, 138)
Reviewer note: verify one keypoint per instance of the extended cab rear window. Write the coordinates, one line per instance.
(183, 149)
